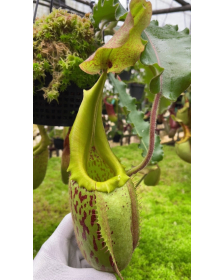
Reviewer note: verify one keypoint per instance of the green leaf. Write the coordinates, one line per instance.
(125, 47)
(107, 11)
(135, 117)
(170, 50)
(153, 74)
(163, 105)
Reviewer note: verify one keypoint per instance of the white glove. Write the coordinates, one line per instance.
(59, 258)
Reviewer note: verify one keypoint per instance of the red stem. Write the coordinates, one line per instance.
(147, 159)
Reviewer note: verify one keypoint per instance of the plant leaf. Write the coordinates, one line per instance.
(107, 11)
(135, 117)
(125, 47)
(163, 105)
(170, 50)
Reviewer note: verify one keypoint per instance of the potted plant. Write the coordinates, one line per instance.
(137, 81)
(61, 42)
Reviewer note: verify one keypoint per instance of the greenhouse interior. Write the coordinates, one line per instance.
(112, 139)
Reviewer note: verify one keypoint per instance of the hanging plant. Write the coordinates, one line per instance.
(40, 158)
(110, 110)
(184, 114)
(183, 117)
(61, 42)
(153, 175)
(183, 147)
(100, 189)
(103, 197)
(65, 158)
(173, 126)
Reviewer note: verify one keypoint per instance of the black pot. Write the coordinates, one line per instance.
(116, 138)
(125, 75)
(59, 143)
(61, 113)
(136, 90)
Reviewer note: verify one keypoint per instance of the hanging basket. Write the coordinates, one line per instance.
(136, 90)
(61, 113)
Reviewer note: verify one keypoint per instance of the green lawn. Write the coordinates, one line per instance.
(164, 250)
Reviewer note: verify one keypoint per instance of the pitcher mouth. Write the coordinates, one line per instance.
(92, 163)
(187, 133)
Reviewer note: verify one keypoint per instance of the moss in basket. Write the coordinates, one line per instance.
(61, 42)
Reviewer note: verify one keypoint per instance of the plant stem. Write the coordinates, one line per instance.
(151, 137)
(143, 177)
(101, 30)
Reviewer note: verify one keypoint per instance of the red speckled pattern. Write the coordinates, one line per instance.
(97, 168)
(83, 209)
